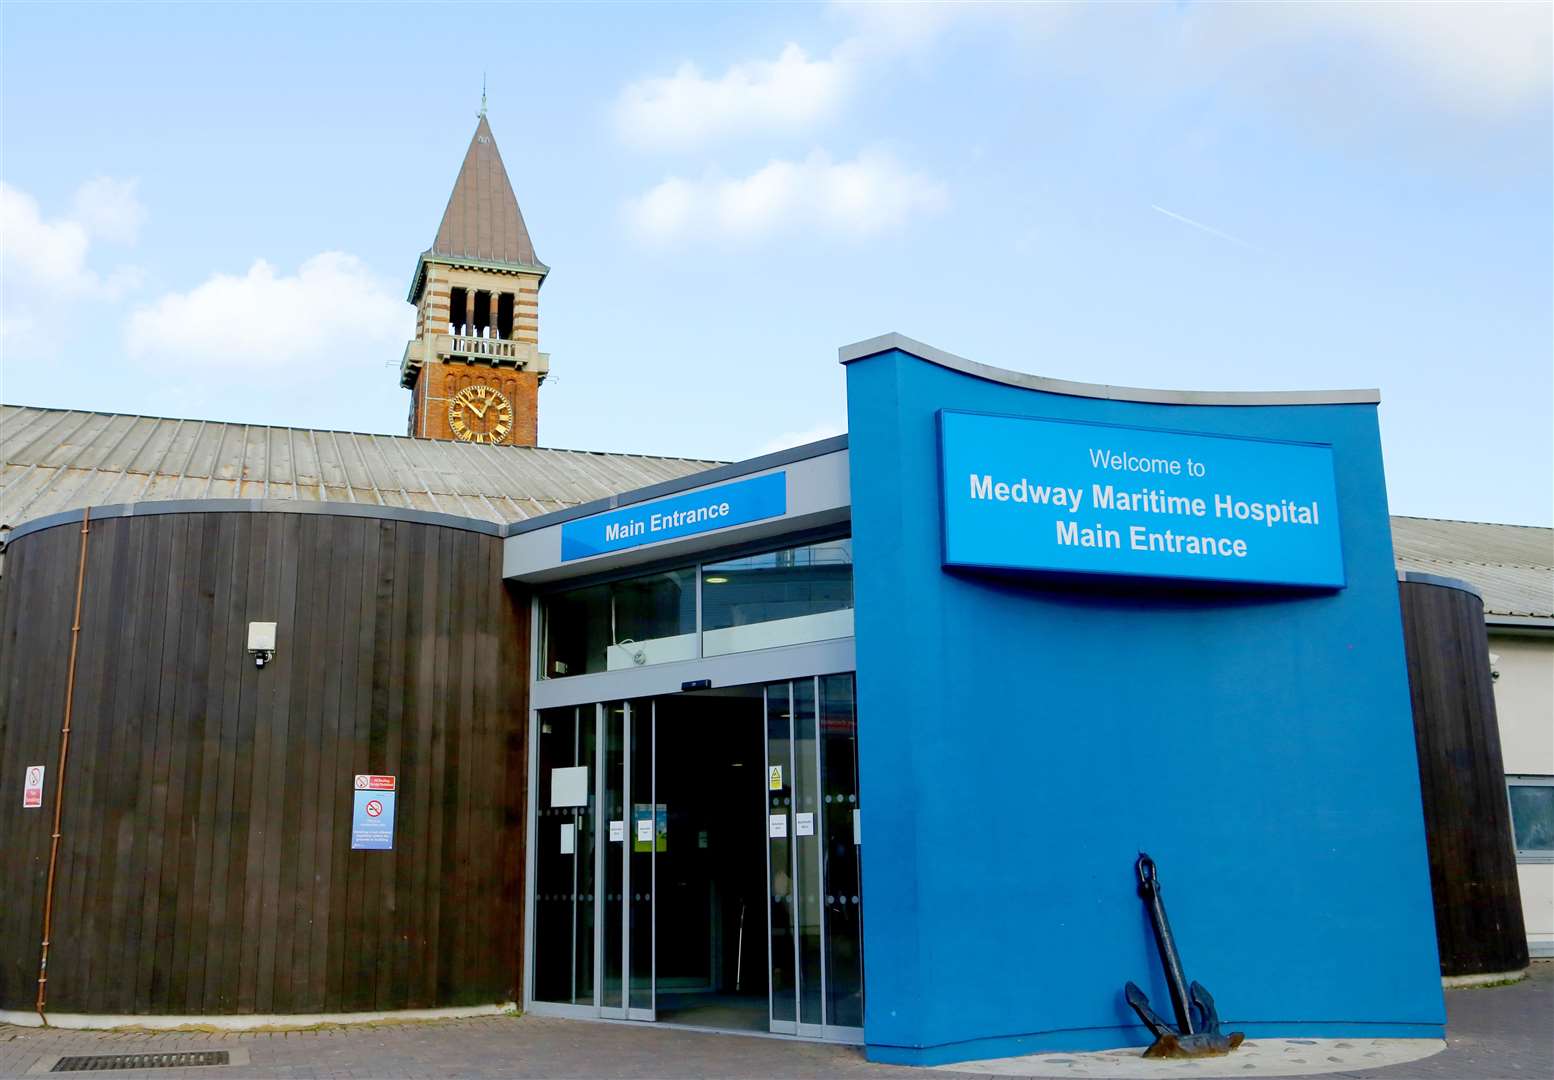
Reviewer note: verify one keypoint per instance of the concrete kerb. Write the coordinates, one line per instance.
(282, 1022)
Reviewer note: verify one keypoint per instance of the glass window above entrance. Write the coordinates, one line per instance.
(621, 624)
(791, 596)
(782, 597)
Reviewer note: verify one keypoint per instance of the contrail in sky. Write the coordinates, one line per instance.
(1211, 230)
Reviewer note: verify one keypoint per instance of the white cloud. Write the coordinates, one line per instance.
(52, 253)
(46, 262)
(110, 209)
(787, 94)
(331, 307)
(1475, 59)
(870, 194)
(1485, 59)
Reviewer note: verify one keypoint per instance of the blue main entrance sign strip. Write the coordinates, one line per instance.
(737, 503)
(1071, 497)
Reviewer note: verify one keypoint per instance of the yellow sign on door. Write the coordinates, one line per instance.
(774, 778)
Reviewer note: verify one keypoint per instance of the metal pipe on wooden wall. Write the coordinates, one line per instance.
(59, 776)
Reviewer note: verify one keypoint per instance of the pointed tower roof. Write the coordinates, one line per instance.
(482, 221)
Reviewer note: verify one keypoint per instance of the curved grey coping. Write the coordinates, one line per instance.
(429, 517)
(887, 342)
(255, 506)
(1419, 577)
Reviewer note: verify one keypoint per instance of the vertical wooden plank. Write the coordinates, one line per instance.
(335, 791)
(140, 761)
(268, 556)
(410, 860)
(300, 770)
(438, 785)
(459, 905)
(201, 892)
(358, 963)
(224, 966)
(110, 636)
(172, 531)
(186, 711)
(1473, 872)
(281, 787)
(408, 554)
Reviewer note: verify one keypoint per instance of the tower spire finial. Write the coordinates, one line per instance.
(482, 95)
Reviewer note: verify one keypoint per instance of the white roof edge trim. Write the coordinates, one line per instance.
(861, 350)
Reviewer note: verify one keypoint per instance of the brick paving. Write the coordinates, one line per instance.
(1494, 1033)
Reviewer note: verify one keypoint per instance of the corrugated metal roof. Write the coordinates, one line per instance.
(1512, 565)
(57, 459)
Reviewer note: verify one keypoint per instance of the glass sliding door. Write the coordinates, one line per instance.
(644, 838)
(842, 870)
(627, 853)
(813, 842)
(779, 855)
(601, 842)
(564, 857)
(595, 823)
(612, 816)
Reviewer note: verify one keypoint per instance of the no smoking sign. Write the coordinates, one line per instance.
(372, 812)
(32, 789)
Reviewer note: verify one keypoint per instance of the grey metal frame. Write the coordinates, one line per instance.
(1527, 856)
(788, 664)
(601, 844)
(862, 350)
(823, 1030)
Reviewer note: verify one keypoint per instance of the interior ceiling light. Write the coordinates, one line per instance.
(716, 579)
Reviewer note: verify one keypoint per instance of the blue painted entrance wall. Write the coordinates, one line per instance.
(1024, 737)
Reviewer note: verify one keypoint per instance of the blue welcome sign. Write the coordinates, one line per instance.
(737, 503)
(1069, 497)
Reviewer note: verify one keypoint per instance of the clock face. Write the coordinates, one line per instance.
(480, 414)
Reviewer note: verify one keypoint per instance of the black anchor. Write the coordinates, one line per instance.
(1197, 1033)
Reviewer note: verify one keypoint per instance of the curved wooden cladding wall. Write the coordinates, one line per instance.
(1478, 908)
(205, 863)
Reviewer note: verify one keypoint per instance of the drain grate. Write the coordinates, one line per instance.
(101, 1062)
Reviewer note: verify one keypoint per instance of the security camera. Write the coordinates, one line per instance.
(261, 642)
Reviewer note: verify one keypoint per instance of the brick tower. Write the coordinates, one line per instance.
(475, 366)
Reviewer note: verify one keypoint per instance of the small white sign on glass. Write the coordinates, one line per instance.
(803, 824)
(569, 786)
(778, 826)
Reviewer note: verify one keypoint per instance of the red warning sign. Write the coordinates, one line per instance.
(373, 808)
(365, 782)
(32, 790)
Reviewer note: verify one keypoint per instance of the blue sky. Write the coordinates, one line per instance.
(214, 211)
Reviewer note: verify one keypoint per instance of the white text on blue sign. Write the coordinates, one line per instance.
(737, 503)
(1037, 494)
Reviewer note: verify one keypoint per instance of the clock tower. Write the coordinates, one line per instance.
(475, 366)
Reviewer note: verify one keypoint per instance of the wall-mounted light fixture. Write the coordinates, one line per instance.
(261, 642)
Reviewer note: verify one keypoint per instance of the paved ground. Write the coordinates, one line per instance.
(1494, 1033)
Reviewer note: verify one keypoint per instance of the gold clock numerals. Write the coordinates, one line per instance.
(480, 414)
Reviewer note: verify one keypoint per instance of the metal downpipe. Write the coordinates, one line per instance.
(59, 777)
